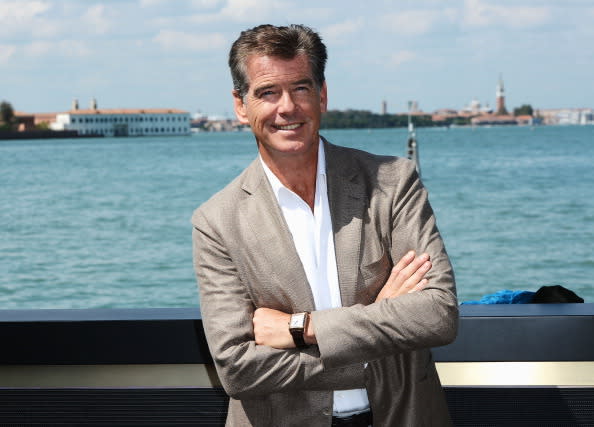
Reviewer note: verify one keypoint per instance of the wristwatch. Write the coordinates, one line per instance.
(297, 327)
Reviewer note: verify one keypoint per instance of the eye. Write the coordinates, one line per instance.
(266, 93)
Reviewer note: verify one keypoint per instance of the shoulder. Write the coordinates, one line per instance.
(382, 168)
(226, 201)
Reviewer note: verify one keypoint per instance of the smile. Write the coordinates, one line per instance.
(288, 127)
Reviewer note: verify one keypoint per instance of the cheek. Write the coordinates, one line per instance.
(260, 115)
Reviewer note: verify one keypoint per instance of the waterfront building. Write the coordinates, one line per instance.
(24, 121)
(123, 122)
(567, 116)
(527, 120)
(493, 120)
(203, 123)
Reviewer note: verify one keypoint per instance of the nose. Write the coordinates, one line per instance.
(286, 104)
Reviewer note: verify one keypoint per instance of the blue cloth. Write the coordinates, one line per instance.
(505, 297)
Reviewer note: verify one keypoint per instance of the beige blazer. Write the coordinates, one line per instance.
(245, 258)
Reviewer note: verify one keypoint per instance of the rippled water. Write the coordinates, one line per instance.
(105, 222)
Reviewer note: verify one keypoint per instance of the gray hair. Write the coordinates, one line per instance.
(281, 42)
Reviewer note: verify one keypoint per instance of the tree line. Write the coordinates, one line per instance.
(524, 110)
(362, 119)
(7, 118)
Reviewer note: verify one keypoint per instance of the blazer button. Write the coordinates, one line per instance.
(326, 411)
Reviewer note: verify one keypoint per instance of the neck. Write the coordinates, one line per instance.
(297, 173)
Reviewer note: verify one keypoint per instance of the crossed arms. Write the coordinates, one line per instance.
(407, 276)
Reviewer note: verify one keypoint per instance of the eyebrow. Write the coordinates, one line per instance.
(306, 81)
(261, 89)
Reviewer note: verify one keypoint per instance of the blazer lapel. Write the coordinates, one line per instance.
(285, 288)
(348, 203)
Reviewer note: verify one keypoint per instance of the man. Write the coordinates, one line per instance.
(316, 307)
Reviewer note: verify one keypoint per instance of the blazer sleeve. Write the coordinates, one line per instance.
(247, 370)
(423, 319)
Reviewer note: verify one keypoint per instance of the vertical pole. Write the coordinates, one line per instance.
(412, 146)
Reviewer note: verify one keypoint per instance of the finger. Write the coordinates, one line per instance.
(405, 260)
(418, 275)
(405, 275)
(400, 266)
(419, 286)
(416, 265)
(258, 313)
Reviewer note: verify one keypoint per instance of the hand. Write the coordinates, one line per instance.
(407, 276)
(271, 328)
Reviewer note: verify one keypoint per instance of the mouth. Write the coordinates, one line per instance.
(291, 126)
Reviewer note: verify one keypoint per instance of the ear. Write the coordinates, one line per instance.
(324, 98)
(240, 108)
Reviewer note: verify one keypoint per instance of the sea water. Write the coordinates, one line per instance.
(105, 222)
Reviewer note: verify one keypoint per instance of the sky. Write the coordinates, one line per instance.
(173, 53)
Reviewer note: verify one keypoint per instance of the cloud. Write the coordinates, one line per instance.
(208, 4)
(478, 13)
(401, 57)
(417, 22)
(473, 14)
(18, 17)
(248, 10)
(150, 3)
(411, 22)
(66, 48)
(6, 52)
(339, 31)
(21, 11)
(258, 11)
(95, 20)
(177, 40)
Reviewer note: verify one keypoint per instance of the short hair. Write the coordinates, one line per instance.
(282, 42)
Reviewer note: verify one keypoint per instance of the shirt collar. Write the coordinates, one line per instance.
(278, 187)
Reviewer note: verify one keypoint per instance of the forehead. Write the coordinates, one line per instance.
(263, 69)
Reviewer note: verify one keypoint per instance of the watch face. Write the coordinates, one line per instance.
(297, 320)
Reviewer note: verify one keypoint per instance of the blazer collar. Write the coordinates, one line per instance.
(278, 263)
(254, 177)
(347, 199)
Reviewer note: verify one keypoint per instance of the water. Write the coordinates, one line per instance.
(104, 223)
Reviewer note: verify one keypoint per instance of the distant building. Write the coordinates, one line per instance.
(500, 99)
(44, 118)
(475, 108)
(567, 116)
(526, 120)
(123, 122)
(24, 121)
(493, 120)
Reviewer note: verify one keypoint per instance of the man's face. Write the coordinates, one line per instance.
(283, 106)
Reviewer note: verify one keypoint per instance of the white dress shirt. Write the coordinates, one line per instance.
(314, 241)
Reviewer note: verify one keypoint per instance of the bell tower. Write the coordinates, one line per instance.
(500, 98)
